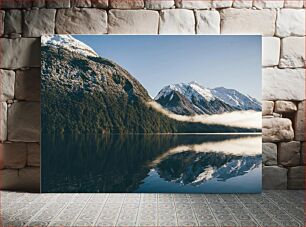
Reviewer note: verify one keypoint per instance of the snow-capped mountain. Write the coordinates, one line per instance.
(69, 43)
(236, 99)
(192, 98)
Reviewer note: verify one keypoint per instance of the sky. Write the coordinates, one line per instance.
(212, 61)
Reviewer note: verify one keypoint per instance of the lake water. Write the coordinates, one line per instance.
(176, 163)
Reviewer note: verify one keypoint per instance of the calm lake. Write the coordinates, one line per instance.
(173, 163)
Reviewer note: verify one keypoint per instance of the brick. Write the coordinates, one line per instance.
(267, 107)
(283, 84)
(3, 121)
(296, 176)
(270, 51)
(248, 21)
(33, 158)
(13, 21)
(81, 21)
(269, 154)
(20, 53)
(126, 4)
(289, 154)
(208, 22)
(277, 129)
(39, 22)
(293, 52)
(290, 22)
(178, 21)
(140, 22)
(7, 84)
(274, 177)
(24, 122)
(13, 155)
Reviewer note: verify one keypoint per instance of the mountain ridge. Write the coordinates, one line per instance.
(203, 100)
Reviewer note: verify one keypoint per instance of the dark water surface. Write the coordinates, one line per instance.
(187, 163)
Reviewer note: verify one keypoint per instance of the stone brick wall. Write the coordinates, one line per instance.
(281, 22)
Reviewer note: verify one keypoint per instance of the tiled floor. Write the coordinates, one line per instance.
(271, 208)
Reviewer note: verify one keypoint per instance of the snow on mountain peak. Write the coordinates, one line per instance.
(236, 99)
(189, 90)
(68, 42)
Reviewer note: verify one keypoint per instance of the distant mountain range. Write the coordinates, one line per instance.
(85, 93)
(192, 98)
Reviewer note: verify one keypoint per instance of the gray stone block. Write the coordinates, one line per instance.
(33, 158)
(2, 15)
(3, 121)
(39, 3)
(99, 3)
(7, 84)
(274, 81)
(277, 129)
(15, 4)
(248, 21)
(267, 107)
(269, 154)
(24, 122)
(289, 153)
(299, 122)
(274, 177)
(13, 21)
(285, 106)
(26, 179)
(80, 3)
(159, 4)
(296, 177)
(140, 22)
(27, 86)
(20, 53)
(178, 21)
(56, 4)
(81, 21)
(126, 4)
(13, 155)
(39, 22)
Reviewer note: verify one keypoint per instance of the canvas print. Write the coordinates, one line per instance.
(168, 114)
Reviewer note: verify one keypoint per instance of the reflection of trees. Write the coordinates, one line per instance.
(106, 163)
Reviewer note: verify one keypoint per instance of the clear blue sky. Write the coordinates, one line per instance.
(212, 61)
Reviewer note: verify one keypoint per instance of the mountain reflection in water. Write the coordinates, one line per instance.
(151, 163)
